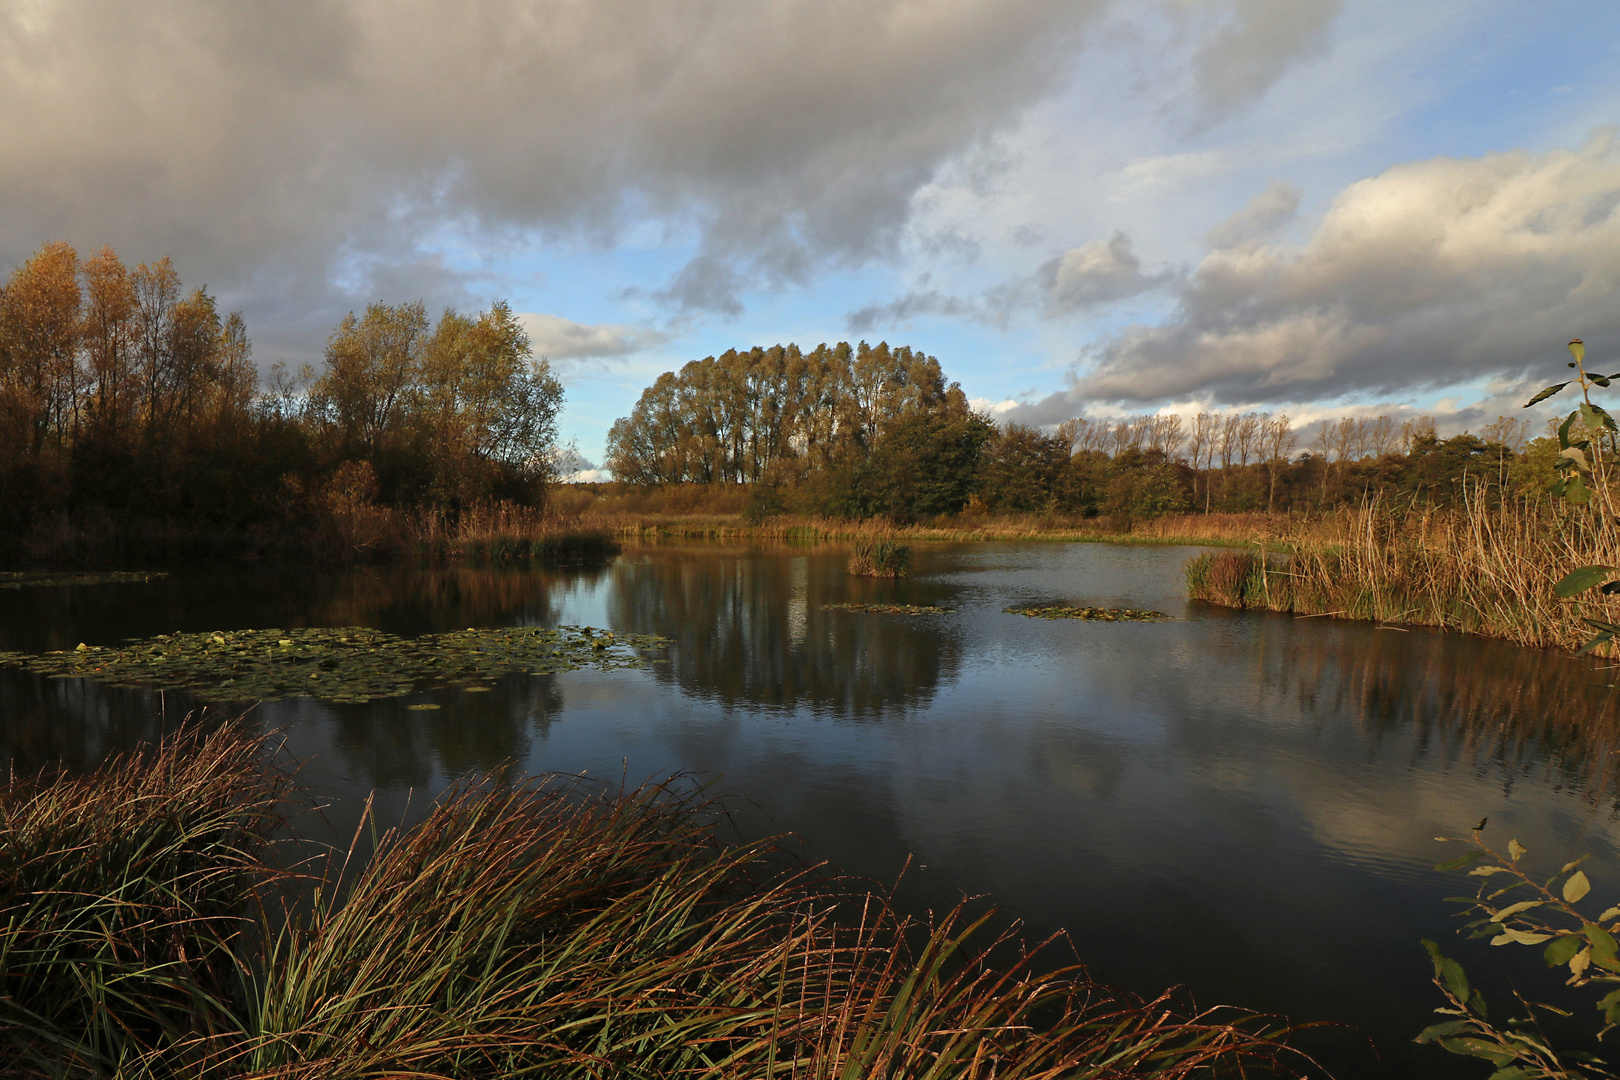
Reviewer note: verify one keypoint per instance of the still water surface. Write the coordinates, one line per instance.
(1243, 803)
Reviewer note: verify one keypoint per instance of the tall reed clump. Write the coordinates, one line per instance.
(1478, 567)
(879, 558)
(539, 928)
(125, 901)
(507, 532)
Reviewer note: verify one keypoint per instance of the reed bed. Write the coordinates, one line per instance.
(1206, 529)
(1478, 568)
(524, 927)
(506, 532)
(879, 558)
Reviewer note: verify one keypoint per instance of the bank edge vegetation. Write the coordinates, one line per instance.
(521, 927)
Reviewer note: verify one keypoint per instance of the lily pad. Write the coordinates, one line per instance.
(891, 609)
(1092, 614)
(349, 664)
(12, 579)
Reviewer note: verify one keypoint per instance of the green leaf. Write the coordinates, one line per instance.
(1460, 861)
(1563, 430)
(1440, 1031)
(1610, 914)
(1603, 946)
(1577, 493)
(1516, 850)
(1610, 1004)
(1561, 950)
(1576, 887)
(1547, 393)
(1577, 349)
(1581, 579)
(1594, 423)
(1514, 909)
(1510, 936)
(1594, 643)
(1601, 380)
(1512, 1072)
(1603, 414)
(1479, 1048)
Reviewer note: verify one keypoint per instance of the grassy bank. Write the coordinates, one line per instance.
(522, 927)
(1475, 568)
(336, 530)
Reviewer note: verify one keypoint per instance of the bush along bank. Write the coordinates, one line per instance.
(522, 926)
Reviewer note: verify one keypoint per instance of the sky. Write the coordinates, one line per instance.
(1081, 207)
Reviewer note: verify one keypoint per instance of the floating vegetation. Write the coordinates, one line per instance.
(1093, 614)
(349, 664)
(892, 609)
(17, 579)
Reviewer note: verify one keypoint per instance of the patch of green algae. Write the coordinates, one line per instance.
(1093, 614)
(348, 664)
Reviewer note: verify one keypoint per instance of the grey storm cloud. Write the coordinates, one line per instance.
(1264, 214)
(276, 149)
(1431, 273)
(1257, 41)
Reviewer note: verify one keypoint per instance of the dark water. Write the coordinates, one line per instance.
(1243, 803)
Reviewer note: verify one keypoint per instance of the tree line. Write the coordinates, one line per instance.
(126, 397)
(862, 430)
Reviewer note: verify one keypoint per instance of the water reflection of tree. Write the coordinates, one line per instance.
(1519, 713)
(753, 632)
(388, 744)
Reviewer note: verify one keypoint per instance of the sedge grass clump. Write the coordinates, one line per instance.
(124, 900)
(879, 558)
(538, 927)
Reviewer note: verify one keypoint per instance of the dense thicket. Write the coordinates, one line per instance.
(869, 430)
(126, 398)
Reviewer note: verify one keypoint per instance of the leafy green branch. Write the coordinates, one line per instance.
(1587, 443)
(1511, 907)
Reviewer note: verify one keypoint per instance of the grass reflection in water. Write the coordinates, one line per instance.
(346, 664)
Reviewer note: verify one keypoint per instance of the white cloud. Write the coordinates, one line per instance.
(557, 338)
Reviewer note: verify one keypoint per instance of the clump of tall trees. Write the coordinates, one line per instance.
(859, 431)
(127, 399)
(846, 430)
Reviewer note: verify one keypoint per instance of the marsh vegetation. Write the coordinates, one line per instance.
(521, 926)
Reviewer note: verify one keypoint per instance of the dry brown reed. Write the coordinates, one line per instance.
(1481, 567)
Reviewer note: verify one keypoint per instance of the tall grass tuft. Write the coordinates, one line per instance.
(879, 558)
(124, 899)
(535, 927)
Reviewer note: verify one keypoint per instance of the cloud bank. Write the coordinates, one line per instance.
(1429, 274)
(274, 149)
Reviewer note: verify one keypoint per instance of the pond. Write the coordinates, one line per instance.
(1243, 803)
